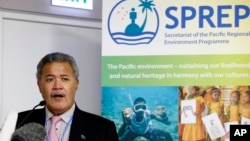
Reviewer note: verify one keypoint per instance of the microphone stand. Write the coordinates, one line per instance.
(42, 103)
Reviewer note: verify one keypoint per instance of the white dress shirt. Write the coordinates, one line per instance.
(63, 126)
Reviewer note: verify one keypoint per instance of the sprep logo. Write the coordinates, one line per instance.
(133, 22)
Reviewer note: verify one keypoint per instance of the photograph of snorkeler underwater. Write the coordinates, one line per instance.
(142, 113)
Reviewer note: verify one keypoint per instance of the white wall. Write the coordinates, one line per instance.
(46, 7)
(25, 38)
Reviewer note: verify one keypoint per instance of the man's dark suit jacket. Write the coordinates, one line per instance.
(85, 126)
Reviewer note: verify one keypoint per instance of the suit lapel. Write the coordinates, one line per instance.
(77, 132)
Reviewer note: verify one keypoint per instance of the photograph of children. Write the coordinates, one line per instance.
(142, 113)
(231, 104)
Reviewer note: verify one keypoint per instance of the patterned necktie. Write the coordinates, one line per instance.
(52, 132)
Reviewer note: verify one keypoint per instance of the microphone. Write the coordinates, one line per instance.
(30, 132)
(42, 103)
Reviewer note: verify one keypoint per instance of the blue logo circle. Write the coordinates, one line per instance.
(133, 22)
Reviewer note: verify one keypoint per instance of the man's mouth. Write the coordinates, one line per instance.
(57, 95)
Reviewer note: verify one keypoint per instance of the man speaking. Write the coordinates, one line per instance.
(57, 80)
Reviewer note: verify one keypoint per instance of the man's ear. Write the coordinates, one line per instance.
(38, 84)
(77, 82)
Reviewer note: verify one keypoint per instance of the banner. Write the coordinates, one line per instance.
(154, 50)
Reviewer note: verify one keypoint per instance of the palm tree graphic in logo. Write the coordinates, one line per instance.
(133, 23)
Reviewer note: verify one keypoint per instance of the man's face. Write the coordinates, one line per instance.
(58, 86)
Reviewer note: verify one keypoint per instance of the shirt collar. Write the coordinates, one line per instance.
(65, 116)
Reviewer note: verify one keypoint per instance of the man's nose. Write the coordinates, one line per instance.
(57, 84)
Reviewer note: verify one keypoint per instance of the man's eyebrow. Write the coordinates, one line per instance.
(49, 75)
(62, 75)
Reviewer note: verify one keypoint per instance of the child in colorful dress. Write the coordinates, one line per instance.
(216, 106)
(233, 109)
(245, 108)
(195, 131)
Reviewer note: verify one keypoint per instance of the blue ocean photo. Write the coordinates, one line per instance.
(118, 100)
